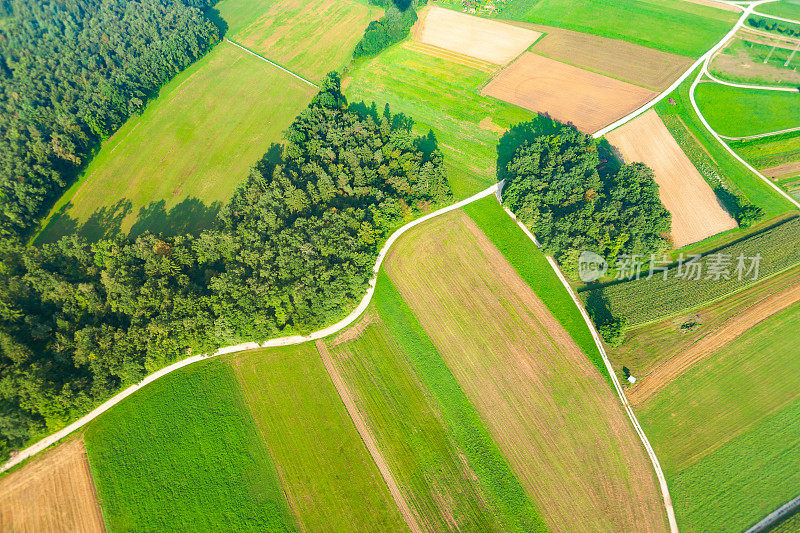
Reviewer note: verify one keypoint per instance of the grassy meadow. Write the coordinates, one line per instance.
(736, 112)
(171, 168)
(676, 26)
(727, 431)
(312, 37)
(442, 96)
(328, 475)
(184, 454)
(501, 487)
(788, 9)
(408, 425)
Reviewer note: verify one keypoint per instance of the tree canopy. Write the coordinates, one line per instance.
(557, 184)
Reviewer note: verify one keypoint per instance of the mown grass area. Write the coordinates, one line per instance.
(770, 151)
(183, 454)
(789, 9)
(410, 430)
(170, 169)
(726, 175)
(503, 490)
(329, 476)
(641, 301)
(727, 431)
(736, 112)
(754, 63)
(532, 266)
(310, 37)
(441, 96)
(674, 26)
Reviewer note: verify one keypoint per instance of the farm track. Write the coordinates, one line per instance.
(366, 435)
(668, 371)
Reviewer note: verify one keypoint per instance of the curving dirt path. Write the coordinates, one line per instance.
(668, 371)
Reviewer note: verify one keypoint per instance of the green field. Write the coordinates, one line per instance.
(727, 431)
(532, 266)
(310, 37)
(755, 63)
(170, 169)
(647, 300)
(674, 26)
(409, 427)
(789, 9)
(736, 112)
(183, 454)
(329, 477)
(770, 151)
(721, 170)
(502, 488)
(441, 96)
(789, 525)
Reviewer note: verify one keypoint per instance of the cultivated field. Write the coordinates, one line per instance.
(327, 474)
(758, 60)
(727, 430)
(407, 424)
(170, 169)
(441, 95)
(625, 61)
(738, 112)
(53, 492)
(789, 9)
(588, 100)
(183, 454)
(643, 300)
(312, 37)
(484, 39)
(676, 26)
(696, 211)
(549, 410)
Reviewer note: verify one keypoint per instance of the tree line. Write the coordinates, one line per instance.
(71, 73)
(293, 250)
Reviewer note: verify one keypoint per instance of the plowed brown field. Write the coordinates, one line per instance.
(696, 211)
(553, 416)
(568, 94)
(54, 492)
(484, 39)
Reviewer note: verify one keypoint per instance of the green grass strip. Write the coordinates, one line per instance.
(532, 266)
(184, 454)
(495, 475)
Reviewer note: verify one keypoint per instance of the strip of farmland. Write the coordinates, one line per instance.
(548, 408)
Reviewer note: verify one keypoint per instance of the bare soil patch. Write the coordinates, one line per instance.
(708, 345)
(477, 37)
(696, 211)
(569, 94)
(786, 169)
(54, 492)
(626, 61)
(552, 415)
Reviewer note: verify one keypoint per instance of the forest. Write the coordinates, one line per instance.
(293, 250)
(558, 185)
(71, 73)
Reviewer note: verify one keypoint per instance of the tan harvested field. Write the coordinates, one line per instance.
(786, 169)
(589, 100)
(626, 61)
(54, 492)
(552, 415)
(477, 37)
(696, 211)
(718, 5)
(667, 372)
(453, 57)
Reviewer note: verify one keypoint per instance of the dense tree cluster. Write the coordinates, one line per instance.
(555, 185)
(785, 28)
(293, 250)
(71, 72)
(393, 27)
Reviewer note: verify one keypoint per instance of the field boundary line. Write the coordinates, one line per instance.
(701, 61)
(48, 441)
(785, 510)
(760, 135)
(366, 436)
(753, 87)
(274, 64)
(662, 481)
(776, 17)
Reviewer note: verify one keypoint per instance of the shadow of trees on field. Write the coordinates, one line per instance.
(190, 216)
